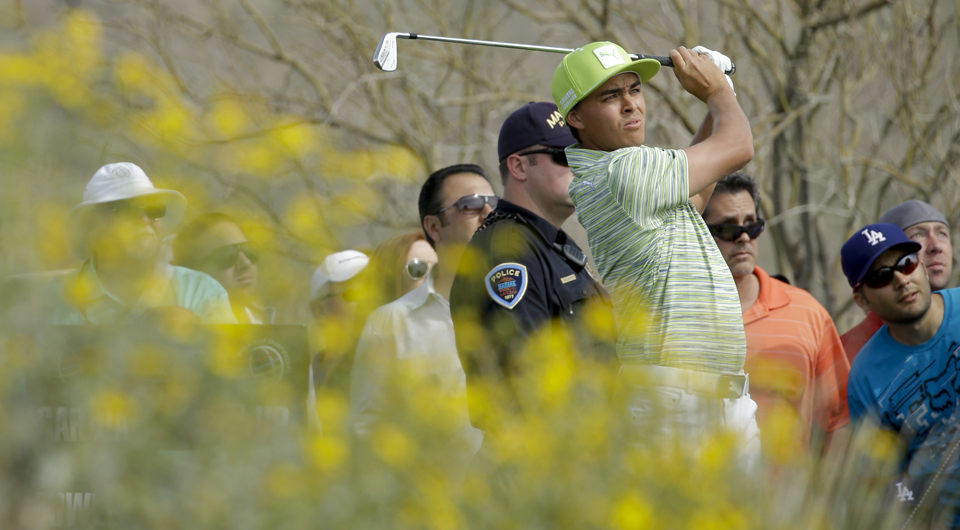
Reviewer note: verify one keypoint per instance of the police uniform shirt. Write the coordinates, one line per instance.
(519, 273)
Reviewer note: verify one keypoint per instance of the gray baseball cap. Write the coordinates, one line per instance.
(912, 212)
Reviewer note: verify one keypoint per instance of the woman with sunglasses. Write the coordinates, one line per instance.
(213, 243)
(396, 267)
(401, 264)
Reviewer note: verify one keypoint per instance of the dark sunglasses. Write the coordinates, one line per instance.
(472, 204)
(558, 154)
(729, 232)
(882, 277)
(153, 211)
(226, 256)
(417, 269)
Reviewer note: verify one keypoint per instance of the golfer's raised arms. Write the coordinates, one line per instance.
(724, 142)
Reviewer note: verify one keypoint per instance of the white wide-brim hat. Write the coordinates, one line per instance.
(337, 267)
(117, 182)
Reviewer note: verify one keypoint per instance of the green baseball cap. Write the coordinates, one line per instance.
(584, 69)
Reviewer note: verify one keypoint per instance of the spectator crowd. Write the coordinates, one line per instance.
(697, 336)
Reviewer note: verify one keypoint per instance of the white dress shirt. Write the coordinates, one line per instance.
(408, 347)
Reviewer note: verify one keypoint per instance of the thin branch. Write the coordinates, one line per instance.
(815, 25)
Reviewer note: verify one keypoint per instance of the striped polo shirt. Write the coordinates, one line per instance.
(674, 299)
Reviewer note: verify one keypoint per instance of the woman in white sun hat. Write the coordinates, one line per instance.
(118, 230)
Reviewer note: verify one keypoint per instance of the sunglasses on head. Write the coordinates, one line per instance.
(472, 204)
(882, 277)
(417, 269)
(558, 154)
(226, 256)
(730, 232)
(152, 210)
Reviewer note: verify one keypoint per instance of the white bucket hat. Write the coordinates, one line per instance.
(117, 182)
(337, 267)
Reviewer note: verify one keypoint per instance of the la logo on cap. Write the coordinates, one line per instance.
(609, 56)
(873, 237)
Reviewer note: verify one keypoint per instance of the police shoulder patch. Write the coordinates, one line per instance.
(507, 283)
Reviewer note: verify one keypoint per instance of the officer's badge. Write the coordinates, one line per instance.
(507, 283)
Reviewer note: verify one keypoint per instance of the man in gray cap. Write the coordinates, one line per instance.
(925, 225)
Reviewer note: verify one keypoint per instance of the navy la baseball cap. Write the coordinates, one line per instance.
(865, 246)
(533, 124)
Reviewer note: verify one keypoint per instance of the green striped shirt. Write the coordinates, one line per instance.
(675, 301)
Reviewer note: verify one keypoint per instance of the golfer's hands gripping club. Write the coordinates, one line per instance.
(698, 74)
(718, 59)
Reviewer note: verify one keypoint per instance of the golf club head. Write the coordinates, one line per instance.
(385, 58)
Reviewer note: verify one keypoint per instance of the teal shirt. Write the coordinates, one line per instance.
(78, 297)
(674, 298)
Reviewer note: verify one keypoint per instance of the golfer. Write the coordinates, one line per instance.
(680, 327)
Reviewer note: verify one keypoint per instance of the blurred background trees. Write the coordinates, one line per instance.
(273, 110)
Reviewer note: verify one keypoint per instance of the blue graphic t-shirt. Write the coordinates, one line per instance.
(913, 391)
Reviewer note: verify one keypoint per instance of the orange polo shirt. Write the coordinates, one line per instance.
(795, 359)
(858, 335)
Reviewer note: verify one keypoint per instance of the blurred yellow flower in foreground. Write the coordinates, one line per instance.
(224, 360)
(228, 117)
(632, 512)
(110, 405)
(394, 446)
(296, 136)
(333, 408)
(326, 453)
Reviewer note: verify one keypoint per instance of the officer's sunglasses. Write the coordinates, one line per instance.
(731, 232)
(226, 256)
(472, 204)
(557, 153)
(882, 277)
(417, 269)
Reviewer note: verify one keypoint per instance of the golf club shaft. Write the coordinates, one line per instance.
(665, 61)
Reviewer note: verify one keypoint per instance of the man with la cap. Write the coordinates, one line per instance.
(926, 225)
(523, 270)
(905, 380)
(118, 230)
(679, 325)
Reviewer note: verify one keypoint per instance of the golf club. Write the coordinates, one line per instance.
(385, 58)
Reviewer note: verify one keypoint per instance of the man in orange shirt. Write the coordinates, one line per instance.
(925, 225)
(796, 363)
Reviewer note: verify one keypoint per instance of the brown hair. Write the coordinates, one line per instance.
(387, 264)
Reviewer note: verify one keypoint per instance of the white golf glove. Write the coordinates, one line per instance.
(718, 59)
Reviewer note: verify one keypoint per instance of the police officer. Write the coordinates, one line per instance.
(521, 271)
